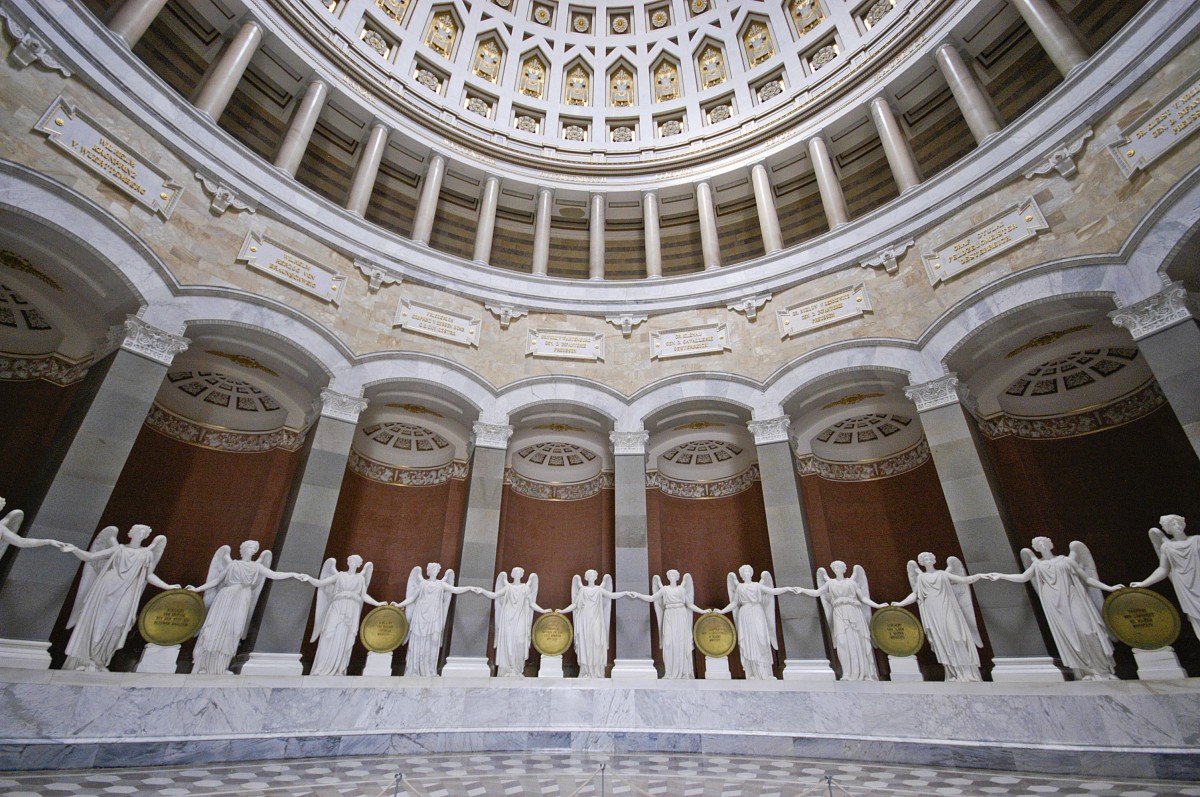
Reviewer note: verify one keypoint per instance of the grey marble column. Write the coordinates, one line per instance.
(972, 496)
(431, 191)
(304, 534)
(228, 71)
(787, 529)
(1057, 38)
(300, 129)
(832, 198)
(710, 242)
(485, 227)
(1164, 326)
(972, 100)
(481, 533)
(134, 18)
(596, 237)
(650, 224)
(367, 170)
(764, 200)
(895, 146)
(634, 658)
(97, 440)
(541, 231)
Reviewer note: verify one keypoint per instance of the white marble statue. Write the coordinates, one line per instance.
(847, 604)
(947, 613)
(515, 603)
(9, 535)
(1179, 560)
(753, 606)
(674, 603)
(230, 594)
(114, 576)
(591, 609)
(340, 596)
(1069, 591)
(430, 602)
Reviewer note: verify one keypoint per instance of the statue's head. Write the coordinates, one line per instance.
(2, 503)
(139, 533)
(926, 559)
(1172, 524)
(673, 576)
(1043, 545)
(590, 576)
(433, 568)
(248, 548)
(354, 561)
(517, 573)
(746, 572)
(838, 567)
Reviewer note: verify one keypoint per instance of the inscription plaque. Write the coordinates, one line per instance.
(1156, 133)
(383, 629)
(995, 236)
(171, 617)
(705, 339)
(897, 631)
(714, 635)
(276, 260)
(565, 344)
(1141, 618)
(825, 310)
(437, 323)
(552, 634)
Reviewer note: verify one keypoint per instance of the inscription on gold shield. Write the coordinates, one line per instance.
(383, 629)
(897, 631)
(552, 634)
(171, 617)
(1141, 618)
(714, 635)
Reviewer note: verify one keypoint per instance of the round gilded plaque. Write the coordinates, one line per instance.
(552, 634)
(659, 18)
(620, 24)
(714, 635)
(171, 617)
(1141, 618)
(582, 24)
(383, 629)
(541, 14)
(897, 631)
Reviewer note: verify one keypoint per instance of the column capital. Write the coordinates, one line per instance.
(770, 430)
(138, 337)
(1170, 306)
(940, 392)
(340, 406)
(629, 442)
(544, 191)
(491, 435)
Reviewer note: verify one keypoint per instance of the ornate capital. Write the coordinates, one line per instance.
(940, 392)
(888, 257)
(1168, 307)
(492, 435)
(138, 337)
(629, 442)
(341, 407)
(772, 430)
(28, 47)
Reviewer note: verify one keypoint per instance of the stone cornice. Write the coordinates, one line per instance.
(1170, 306)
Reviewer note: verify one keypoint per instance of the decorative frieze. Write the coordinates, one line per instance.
(771, 430)
(341, 407)
(546, 491)
(437, 322)
(52, 367)
(719, 488)
(562, 344)
(995, 236)
(705, 339)
(81, 137)
(406, 477)
(175, 427)
(633, 443)
(910, 459)
(824, 310)
(138, 337)
(1134, 406)
(276, 260)
(1159, 130)
(935, 393)
(1168, 307)
(491, 435)
(1062, 158)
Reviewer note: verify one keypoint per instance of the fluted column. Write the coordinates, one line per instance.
(653, 234)
(367, 170)
(764, 200)
(481, 532)
(69, 498)
(230, 67)
(832, 198)
(596, 238)
(895, 146)
(633, 658)
(431, 190)
(972, 100)
(710, 242)
(300, 129)
(485, 226)
(134, 18)
(541, 231)
(1057, 38)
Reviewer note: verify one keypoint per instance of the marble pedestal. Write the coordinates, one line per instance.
(904, 668)
(273, 664)
(634, 669)
(551, 667)
(717, 669)
(808, 670)
(25, 654)
(1158, 665)
(378, 664)
(158, 658)
(466, 667)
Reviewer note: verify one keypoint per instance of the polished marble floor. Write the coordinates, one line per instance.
(552, 774)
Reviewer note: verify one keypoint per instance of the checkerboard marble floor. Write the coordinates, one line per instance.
(552, 774)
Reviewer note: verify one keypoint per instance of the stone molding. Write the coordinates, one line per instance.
(406, 477)
(548, 491)
(771, 430)
(909, 459)
(629, 442)
(1117, 413)
(491, 435)
(940, 392)
(376, 276)
(224, 197)
(138, 337)
(1062, 158)
(187, 431)
(888, 258)
(719, 488)
(749, 306)
(625, 322)
(54, 368)
(506, 313)
(29, 48)
(1170, 306)
(340, 406)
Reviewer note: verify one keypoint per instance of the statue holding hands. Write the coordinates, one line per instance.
(674, 604)
(847, 604)
(591, 608)
(1179, 560)
(947, 613)
(753, 606)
